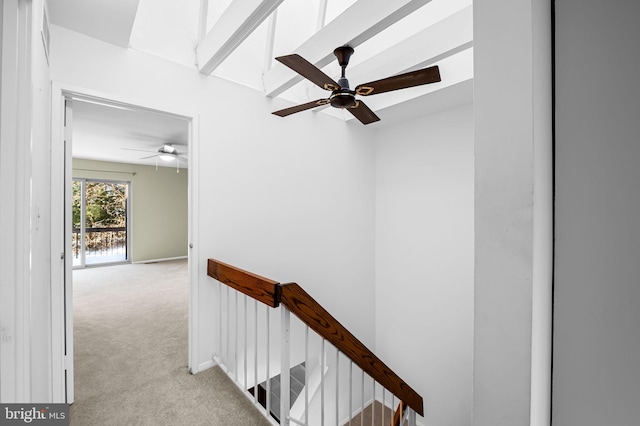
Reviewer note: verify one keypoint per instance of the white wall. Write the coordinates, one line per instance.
(290, 199)
(295, 200)
(513, 200)
(424, 259)
(159, 206)
(597, 293)
(25, 217)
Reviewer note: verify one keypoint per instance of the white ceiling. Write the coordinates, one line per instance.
(109, 133)
(238, 39)
(107, 20)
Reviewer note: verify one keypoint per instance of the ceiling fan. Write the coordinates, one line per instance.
(341, 95)
(167, 152)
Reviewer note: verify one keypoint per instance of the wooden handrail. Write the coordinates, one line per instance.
(262, 289)
(302, 305)
(322, 322)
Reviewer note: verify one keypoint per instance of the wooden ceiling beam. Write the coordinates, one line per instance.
(240, 19)
(363, 20)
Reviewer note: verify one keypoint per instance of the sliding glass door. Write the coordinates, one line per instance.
(100, 214)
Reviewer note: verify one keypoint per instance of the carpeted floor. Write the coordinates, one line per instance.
(130, 348)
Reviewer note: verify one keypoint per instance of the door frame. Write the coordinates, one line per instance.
(61, 279)
(15, 163)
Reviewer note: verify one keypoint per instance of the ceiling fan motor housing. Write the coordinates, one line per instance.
(343, 98)
(167, 149)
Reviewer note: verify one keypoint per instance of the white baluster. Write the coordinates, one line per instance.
(235, 341)
(350, 391)
(306, 375)
(255, 352)
(384, 404)
(219, 322)
(363, 401)
(337, 387)
(267, 373)
(393, 405)
(285, 372)
(412, 417)
(373, 401)
(322, 360)
(226, 359)
(246, 327)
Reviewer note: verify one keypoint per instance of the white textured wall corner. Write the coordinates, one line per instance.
(424, 258)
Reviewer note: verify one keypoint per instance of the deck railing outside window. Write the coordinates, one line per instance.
(101, 242)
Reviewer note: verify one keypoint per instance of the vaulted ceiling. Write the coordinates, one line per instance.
(238, 39)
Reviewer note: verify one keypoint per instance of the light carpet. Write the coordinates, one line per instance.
(130, 348)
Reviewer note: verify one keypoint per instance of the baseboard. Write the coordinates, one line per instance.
(206, 365)
(160, 260)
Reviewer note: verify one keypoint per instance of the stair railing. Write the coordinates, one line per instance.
(346, 384)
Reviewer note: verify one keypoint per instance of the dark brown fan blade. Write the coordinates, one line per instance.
(298, 108)
(363, 113)
(308, 71)
(402, 81)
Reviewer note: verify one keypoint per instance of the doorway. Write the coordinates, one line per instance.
(100, 222)
(62, 183)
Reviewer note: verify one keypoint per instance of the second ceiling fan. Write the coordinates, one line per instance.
(341, 95)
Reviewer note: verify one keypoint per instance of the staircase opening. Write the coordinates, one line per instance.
(297, 386)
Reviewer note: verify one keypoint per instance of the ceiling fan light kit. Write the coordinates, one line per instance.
(167, 157)
(167, 153)
(341, 94)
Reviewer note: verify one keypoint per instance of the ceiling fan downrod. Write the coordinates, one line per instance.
(343, 97)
